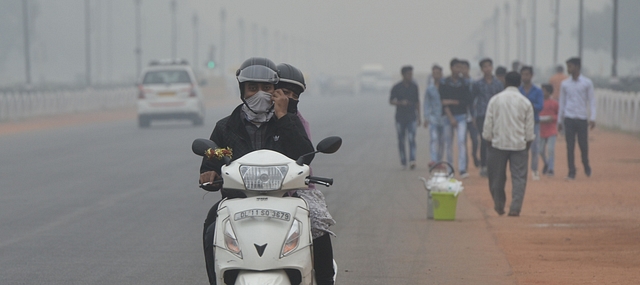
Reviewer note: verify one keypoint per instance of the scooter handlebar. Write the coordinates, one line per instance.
(212, 186)
(319, 180)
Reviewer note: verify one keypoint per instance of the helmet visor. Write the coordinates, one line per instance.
(258, 73)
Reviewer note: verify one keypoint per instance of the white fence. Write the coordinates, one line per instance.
(20, 105)
(619, 110)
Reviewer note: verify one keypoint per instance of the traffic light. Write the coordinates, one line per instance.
(211, 64)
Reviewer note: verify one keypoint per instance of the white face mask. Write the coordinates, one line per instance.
(259, 107)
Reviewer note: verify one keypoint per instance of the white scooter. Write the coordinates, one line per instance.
(265, 238)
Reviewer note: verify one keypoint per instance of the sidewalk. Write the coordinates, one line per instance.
(574, 232)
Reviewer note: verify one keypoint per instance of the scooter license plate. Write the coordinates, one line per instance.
(262, 213)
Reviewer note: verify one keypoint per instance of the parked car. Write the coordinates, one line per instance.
(168, 90)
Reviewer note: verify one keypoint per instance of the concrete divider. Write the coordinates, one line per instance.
(21, 105)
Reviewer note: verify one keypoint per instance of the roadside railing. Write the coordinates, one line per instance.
(21, 105)
(618, 110)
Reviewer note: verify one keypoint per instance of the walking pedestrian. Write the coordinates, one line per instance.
(483, 90)
(577, 114)
(556, 80)
(433, 116)
(471, 126)
(548, 130)
(534, 94)
(404, 95)
(456, 101)
(508, 127)
(501, 71)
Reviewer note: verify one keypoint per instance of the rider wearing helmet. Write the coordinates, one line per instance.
(292, 85)
(260, 122)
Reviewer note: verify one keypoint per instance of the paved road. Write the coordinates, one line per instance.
(108, 203)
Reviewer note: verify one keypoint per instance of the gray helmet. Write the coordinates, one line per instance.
(257, 69)
(291, 78)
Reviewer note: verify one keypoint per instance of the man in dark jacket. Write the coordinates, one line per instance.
(456, 101)
(261, 122)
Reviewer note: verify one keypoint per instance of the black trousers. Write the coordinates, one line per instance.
(322, 251)
(580, 129)
(484, 144)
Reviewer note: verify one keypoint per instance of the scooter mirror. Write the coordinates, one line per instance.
(329, 145)
(200, 146)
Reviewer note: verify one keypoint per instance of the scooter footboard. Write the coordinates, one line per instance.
(272, 277)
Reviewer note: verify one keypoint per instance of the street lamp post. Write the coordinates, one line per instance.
(138, 50)
(87, 29)
(196, 63)
(174, 30)
(27, 47)
(614, 44)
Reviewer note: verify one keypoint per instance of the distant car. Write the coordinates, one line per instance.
(168, 90)
(340, 86)
(373, 80)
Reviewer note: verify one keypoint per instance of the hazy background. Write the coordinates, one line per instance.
(320, 37)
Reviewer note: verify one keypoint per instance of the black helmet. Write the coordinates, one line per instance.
(291, 78)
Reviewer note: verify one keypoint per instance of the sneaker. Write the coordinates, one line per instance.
(499, 211)
(464, 174)
(535, 175)
(570, 178)
(549, 173)
(513, 214)
(412, 165)
(483, 172)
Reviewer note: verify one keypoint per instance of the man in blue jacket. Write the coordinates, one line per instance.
(534, 94)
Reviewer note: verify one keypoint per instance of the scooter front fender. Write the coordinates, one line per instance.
(272, 277)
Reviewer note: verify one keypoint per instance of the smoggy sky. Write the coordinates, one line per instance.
(320, 37)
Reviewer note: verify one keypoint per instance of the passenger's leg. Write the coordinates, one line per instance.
(323, 260)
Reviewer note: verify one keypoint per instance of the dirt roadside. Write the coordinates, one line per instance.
(574, 232)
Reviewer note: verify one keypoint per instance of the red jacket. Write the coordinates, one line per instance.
(550, 109)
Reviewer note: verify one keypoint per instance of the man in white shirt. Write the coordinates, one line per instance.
(577, 105)
(508, 127)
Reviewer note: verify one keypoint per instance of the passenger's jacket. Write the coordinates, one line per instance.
(285, 135)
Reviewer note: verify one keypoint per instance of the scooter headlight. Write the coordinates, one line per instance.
(230, 240)
(263, 177)
(293, 238)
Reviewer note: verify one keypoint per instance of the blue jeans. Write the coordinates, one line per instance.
(404, 129)
(548, 151)
(535, 147)
(461, 134)
(436, 144)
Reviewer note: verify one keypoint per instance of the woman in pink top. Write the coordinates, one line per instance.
(548, 129)
(292, 85)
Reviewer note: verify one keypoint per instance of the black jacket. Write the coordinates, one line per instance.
(285, 135)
